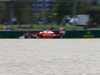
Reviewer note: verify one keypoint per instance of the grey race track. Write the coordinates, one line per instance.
(49, 56)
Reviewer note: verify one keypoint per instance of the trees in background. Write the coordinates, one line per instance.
(84, 7)
(27, 14)
(3, 12)
(61, 9)
(87, 7)
(94, 13)
(23, 10)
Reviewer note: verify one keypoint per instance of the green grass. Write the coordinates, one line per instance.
(47, 27)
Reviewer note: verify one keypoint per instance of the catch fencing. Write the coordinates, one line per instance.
(37, 14)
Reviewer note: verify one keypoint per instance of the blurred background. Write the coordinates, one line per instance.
(30, 15)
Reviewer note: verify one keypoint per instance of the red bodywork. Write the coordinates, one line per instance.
(45, 34)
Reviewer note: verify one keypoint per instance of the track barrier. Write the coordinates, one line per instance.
(69, 34)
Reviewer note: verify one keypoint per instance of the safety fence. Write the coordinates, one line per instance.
(69, 34)
(29, 13)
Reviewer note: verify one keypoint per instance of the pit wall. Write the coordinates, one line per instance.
(69, 34)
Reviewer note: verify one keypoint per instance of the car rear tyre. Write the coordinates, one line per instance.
(28, 36)
(60, 36)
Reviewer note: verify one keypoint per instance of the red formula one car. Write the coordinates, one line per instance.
(45, 34)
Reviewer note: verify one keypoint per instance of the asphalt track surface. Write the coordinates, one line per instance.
(49, 56)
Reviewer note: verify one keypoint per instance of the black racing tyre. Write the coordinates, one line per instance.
(60, 36)
(28, 36)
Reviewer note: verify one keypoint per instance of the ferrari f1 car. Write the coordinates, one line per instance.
(45, 34)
